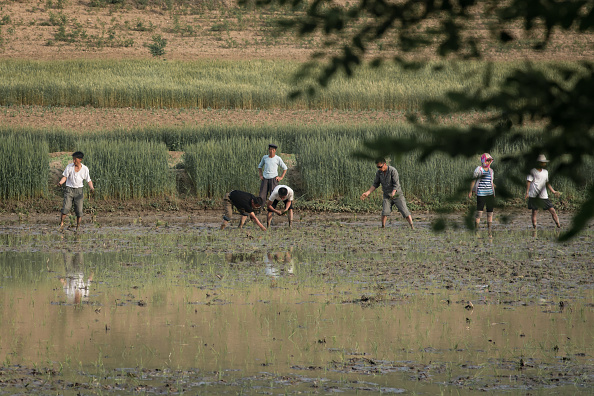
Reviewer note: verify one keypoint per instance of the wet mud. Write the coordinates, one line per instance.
(334, 304)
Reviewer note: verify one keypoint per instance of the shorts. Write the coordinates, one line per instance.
(73, 195)
(286, 202)
(482, 200)
(540, 203)
(397, 200)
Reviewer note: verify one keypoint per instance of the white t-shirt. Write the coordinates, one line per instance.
(538, 183)
(274, 195)
(270, 166)
(75, 179)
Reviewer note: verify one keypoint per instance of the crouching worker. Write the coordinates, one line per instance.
(280, 193)
(74, 175)
(245, 203)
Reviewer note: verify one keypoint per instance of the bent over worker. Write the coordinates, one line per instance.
(245, 203)
(387, 176)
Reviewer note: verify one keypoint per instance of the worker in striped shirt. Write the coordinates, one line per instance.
(484, 188)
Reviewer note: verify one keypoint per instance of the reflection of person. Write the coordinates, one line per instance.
(74, 175)
(74, 285)
(279, 257)
(268, 169)
(245, 203)
(280, 193)
(387, 176)
(482, 185)
(536, 191)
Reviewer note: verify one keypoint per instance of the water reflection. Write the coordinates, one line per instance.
(242, 257)
(284, 260)
(303, 314)
(276, 263)
(75, 285)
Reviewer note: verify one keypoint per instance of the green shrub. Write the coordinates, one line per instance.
(157, 47)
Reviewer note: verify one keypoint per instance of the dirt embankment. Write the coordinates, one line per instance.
(91, 119)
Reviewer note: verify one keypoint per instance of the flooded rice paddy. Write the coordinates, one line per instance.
(327, 307)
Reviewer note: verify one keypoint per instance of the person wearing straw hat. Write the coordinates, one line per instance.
(73, 176)
(268, 170)
(387, 176)
(536, 191)
(484, 188)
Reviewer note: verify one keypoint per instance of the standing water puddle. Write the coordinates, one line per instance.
(329, 310)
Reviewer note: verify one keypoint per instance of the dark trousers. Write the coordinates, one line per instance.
(266, 188)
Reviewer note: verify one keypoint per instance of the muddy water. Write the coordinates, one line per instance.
(334, 308)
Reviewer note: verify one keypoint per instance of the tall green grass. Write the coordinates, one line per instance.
(127, 169)
(133, 163)
(24, 167)
(217, 84)
(329, 170)
(177, 138)
(219, 166)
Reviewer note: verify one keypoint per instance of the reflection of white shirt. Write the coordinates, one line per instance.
(75, 288)
(274, 195)
(538, 183)
(75, 179)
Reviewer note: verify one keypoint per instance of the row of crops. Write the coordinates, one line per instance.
(217, 84)
(134, 163)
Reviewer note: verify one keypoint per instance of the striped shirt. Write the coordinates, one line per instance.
(484, 181)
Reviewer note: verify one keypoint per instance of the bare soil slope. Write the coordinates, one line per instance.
(216, 29)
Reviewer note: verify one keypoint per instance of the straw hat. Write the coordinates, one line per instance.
(542, 158)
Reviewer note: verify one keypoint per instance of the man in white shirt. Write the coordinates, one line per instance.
(281, 193)
(268, 169)
(536, 191)
(74, 175)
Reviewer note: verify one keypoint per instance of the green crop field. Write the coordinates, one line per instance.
(250, 84)
(127, 170)
(133, 164)
(23, 167)
(219, 166)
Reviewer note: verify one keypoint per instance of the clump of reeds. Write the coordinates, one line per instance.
(219, 166)
(24, 167)
(128, 169)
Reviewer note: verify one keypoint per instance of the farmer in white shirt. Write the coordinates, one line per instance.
(281, 193)
(74, 175)
(536, 191)
(268, 169)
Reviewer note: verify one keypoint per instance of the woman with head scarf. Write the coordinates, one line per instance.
(482, 184)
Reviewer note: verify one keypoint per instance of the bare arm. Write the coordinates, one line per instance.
(527, 188)
(255, 220)
(288, 206)
(472, 183)
(366, 193)
(62, 181)
(91, 186)
(551, 189)
(261, 174)
(272, 209)
(282, 176)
